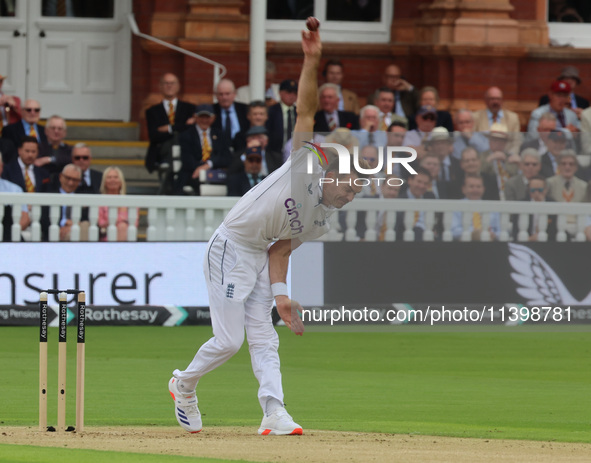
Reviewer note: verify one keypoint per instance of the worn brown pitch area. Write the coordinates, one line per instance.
(312, 447)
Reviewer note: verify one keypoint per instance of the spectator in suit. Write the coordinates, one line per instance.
(10, 107)
(69, 181)
(230, 115)
(113, 183)
(495, 113)
(9, 187)
(239, 183)
(368, 133)
(496, 161)
(165, 118)
(429, 96)
(570, 74)
(22, 170)
(466, 134)
(537, 190)
(441, 144)
(333, 74)
(558, 99)
(470, 163)
(202, 148)
(425, 120)
(432, 163)
(566, 187)
(329, 118)
(418, 186)
(282, 116)
(473, 190)
(27, 126)
(257, 117)
(91, 178)
(517, 186)
(243, 94)
(56, 154)
(406, 95)
(556, 143)
(546, 125)
(271, 160)
(395, 137)
(384, 100)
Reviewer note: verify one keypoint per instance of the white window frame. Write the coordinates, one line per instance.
(577, 35)
(285, 30)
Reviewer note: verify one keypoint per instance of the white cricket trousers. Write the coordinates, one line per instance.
(239, 297)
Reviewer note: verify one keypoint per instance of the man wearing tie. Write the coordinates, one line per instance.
(22, 170)
(559, 96)
(230, 116)
(165, 118)
(27, 126)
(202, 148)
(241, 182)
(329, 118)
(90, 182)
(385, 101)
(282, 116)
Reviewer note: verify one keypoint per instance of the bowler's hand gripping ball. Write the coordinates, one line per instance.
(312, 23)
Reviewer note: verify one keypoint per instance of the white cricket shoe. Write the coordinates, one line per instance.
(185, 407)
(280, 423)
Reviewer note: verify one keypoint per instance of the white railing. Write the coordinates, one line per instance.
(219, 70)
(174, 218)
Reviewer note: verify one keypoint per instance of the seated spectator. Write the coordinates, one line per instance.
(570, 75)
(395, 137)
(230, 115)
(473, 190)
(113, 183)
(429, 96)
(516, 188)
(432, 163)
(27, 126)
(470, 164)
(558, 99)
(546, 125)
(91, 178)
(384, 100)
(497, 161)
(537, 190)
(556, 142)
(406, 95)
(368, 133)
(165, 119)
(202, 148)
(418, 186)
(441, 144)
(242, 181)
(257, 116)
(466, 134)
(272, 160)
(566, 187)
(244, 95)
(22, 170)
(334, 74)
(9, 187)
(69, 179)
(56, 154)
(495, 113)
(425, 122)
(329, 117)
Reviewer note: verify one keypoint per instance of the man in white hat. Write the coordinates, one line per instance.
(497, 160)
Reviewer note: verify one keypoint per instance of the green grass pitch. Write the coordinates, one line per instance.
(510, 385)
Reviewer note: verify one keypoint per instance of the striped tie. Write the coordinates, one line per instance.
(171, 113)
(206, 151)
(28, 183)
(32, 131)
(332, 123)
(476, 221)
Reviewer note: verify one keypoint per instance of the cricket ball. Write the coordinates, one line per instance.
(312, 23)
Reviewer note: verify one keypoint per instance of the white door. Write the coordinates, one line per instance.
(77, 67)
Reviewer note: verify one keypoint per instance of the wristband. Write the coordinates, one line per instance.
(279, 289)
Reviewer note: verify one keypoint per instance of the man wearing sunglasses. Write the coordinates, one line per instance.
(240, 183)
(91, 179)
(27, 126)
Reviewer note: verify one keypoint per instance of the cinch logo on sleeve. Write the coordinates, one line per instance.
(292, 211)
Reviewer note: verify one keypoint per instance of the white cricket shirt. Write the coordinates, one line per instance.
(285, 205)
